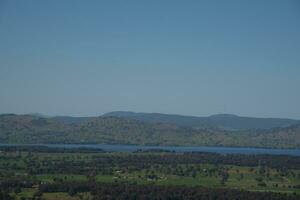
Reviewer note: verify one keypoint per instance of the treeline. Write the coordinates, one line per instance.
(129, 191)
(46, 149)
(158, 156)
(153, 192)
(273, 161)
(16, 182)
(142, 160)
(105, 163)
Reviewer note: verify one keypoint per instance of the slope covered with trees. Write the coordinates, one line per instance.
(115, 130)
(223, 121)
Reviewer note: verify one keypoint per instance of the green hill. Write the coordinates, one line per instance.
(223, 121)
(24, 129)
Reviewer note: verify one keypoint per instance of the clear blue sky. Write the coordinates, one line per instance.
(82, 58)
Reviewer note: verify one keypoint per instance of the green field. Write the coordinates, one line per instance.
(48, 168)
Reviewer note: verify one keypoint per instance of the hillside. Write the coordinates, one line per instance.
(224, 121)
(114, 130)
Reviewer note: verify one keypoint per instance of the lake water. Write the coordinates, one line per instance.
(132, 148)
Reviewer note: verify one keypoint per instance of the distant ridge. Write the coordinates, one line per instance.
(223, 121)
(32, 129)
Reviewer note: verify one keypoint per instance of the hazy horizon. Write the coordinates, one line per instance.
(101, 114)
(196, 58)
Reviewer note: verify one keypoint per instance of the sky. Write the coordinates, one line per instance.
(189, 57)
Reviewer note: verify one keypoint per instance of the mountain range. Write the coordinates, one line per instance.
(151, 129)
(222, 121)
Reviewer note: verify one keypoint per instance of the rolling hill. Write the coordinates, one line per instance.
(223, 121)
(29, 129)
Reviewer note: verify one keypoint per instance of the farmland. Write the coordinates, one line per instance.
(60, 174)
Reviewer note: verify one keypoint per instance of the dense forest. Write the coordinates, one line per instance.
(23, 129)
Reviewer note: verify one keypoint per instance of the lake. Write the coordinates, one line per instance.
(132, 148)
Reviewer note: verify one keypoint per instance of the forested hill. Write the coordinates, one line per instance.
(224, 121)
(116, 130)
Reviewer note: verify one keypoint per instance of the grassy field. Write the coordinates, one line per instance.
(249, 182)
(251, 178)
(28, 193)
